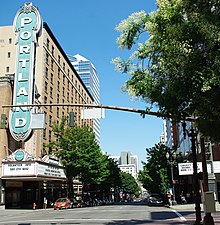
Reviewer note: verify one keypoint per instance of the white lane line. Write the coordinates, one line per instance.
(179, 215)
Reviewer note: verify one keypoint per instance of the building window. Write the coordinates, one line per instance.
(7, 69)
(63, 103)
(58, 98)
(51, 110)
(9, 40)
(58, 59)
(63, 92)
(58, 74)
(58, 85)
(52, 64)
(58, 112)
(51, 78)
(46, 72)
(47, 58)
(50, 120)
(49, 135)
(51, 92)
(45, 99)
(52, 51)
(44, 135)
(45, 86)
(64, 66)
(48, 43)
(9, 54)
(63, 79)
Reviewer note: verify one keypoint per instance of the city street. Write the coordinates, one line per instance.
(126, 214)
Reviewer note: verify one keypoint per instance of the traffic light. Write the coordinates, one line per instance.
(71, 119)
(4, 121)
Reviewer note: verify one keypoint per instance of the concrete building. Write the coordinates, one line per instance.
(34, 69)
(89, 76)
(127, 163)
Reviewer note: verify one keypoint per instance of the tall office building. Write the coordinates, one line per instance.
(89, 76)
(127, 163)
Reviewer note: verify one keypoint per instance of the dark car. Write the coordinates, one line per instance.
(74, 203)
(155, 200)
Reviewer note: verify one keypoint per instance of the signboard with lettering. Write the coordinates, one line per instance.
(32, 169)
(27, 26)
(187, 168)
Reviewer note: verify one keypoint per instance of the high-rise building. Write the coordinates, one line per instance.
(127, 162)
(89, 76)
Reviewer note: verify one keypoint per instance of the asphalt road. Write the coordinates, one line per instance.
(127, 214)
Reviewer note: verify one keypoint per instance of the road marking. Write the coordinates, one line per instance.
(179, 215)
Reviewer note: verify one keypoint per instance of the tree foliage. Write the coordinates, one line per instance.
(80, 153)
(129, 184)
(154, 175)
(177, 67)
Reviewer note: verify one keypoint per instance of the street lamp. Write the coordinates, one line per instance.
(192, 135)
(171, 159)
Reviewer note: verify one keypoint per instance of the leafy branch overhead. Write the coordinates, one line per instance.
(176, 67)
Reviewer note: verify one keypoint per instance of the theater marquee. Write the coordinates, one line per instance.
(22, 165)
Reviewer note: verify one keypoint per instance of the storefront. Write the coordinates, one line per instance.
(27, 180)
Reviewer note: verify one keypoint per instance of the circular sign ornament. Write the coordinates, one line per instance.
(19, 155)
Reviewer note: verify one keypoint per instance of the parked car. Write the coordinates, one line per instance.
(74, 203)
(62, 203)
(155, 200)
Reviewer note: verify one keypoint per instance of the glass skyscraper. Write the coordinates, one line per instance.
(89, 76)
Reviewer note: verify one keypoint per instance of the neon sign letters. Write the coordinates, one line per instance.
(27, 25)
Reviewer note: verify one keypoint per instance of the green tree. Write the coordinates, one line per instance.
(129, 184)
(80, 154)
(154, 175)
(177, 67)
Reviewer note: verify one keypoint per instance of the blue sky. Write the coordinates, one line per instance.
(87, 27)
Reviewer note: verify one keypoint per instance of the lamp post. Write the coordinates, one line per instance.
(192, 135)
(172, 161)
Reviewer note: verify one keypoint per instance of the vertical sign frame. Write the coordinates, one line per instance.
(27, 26)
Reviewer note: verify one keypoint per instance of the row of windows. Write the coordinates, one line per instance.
(9, 41)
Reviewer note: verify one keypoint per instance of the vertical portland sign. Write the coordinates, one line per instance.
(27, 26)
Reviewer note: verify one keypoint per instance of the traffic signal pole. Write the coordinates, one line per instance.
(134, 110)
(191, 134)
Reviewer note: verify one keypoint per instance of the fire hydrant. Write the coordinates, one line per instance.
(34, 205)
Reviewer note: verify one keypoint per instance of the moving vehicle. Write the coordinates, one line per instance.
(62, 203)
(155, 200)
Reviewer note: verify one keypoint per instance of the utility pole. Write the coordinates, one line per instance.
(196, 179)
(208, 219)
(192, 135)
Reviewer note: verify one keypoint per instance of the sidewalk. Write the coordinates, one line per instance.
(192, 207)
(188, 216)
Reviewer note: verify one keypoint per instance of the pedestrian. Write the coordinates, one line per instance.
(45, 202)
(182, 198)
(169, 196)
